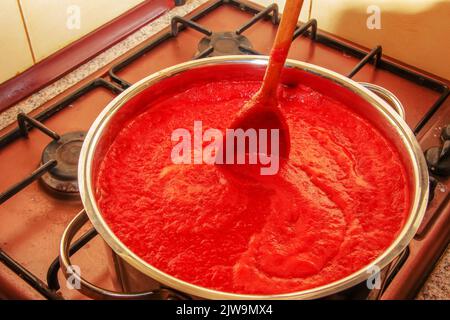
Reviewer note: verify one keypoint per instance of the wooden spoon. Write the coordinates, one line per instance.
(262, 111)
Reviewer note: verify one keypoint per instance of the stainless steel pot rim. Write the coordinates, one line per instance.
(88, 197)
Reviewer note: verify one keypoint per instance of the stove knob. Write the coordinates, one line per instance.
(433, 184)
(438, 159)
(445, 135)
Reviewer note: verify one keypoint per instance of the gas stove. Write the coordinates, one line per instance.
(39, 153)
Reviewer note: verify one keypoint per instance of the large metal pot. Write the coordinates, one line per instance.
(365, 101)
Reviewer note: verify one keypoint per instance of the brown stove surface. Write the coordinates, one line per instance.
(34, 218)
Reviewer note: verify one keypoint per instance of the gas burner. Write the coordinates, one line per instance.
(438, 158)
(225, 43)
(63, 177)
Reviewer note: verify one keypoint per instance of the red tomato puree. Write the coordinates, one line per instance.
(336, 206)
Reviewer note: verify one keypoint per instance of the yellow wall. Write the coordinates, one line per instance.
(31, 30)
(15, 54)
(53, 24)
(416, 32)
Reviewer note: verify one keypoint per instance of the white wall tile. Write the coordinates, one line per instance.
(15, 53)
(53, 24)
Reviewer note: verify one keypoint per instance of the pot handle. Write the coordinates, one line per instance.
(90, 289)
(387, 96)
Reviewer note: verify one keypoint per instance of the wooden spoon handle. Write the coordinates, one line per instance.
(280, 49)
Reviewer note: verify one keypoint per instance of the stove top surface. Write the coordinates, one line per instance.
(34, 211)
